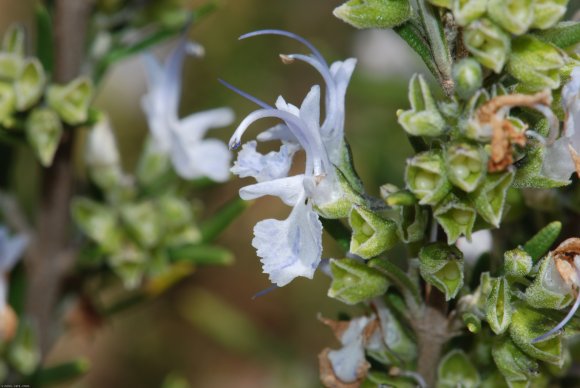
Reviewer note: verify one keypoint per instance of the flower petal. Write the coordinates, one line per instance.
(193, 127)
(289, 190)
(273, 165)
(348, 361)
(207, 158)
(292, 247)
(557, 163)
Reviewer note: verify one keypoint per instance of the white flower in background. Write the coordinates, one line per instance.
(561, 158)
(101, 145)
(11, 250)
(481, 242)
(183, 139)
(293, 247)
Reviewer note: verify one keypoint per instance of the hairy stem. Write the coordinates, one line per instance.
(438, 43)
(51, 255)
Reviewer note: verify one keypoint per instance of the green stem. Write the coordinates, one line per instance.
(439, 48)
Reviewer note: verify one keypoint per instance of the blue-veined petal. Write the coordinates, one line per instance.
(205, 158)
(348, 361)
(272, 165)
(292, 247)
(289, 189)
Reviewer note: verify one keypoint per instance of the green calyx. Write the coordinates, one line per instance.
(353, 282)
(423, 119)
(442, 266)
(374, 13)
(372, 234)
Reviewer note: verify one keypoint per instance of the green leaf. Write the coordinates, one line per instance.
(374, 13)
(563, 35)
(44, 38)
(217, 223)
(201, 254)
(61, 373)
(415, 40)
(541, 242)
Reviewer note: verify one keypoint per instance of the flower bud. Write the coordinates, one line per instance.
(7, 102)
(442, 266)
(548, 290)
(514, 16)
(102, 155)
(528, 324)
(72, 101)
(517, 263)
(423, 119)
(142, 220)
(488, 43)
(456, 370)
(10, 66)
(371, 234)
(514, 365)
(498, 308)
(548, 12)
(29, 84)
(374, 13)
(13, 41)
(535, 64)
(489, 198)
(175, 212)
(353, 282)
(398, 198)
(129, 263)
(154, 166)
(412, 223)
(455, 217)
(467, 76)
(426, 177)
(472, 322)
(98, 222)
(466, 11)
(466, 165)
(43, 131)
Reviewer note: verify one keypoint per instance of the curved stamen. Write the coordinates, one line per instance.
(315, 152)
(248, 96)
(324, 71)
(564, 321)
(288, 34)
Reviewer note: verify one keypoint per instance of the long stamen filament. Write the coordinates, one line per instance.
(291, 35)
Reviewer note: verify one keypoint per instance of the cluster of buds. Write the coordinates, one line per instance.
(498, 32)
(33, 108)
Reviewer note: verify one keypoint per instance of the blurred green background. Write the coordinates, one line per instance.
(209, 330)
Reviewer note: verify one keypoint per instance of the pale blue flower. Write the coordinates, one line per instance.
(293, 247)
(348, 361)
(11, 250)
(183, 139)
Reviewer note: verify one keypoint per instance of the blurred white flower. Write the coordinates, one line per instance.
(101, 145)
(481, 242)
(183, 139)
